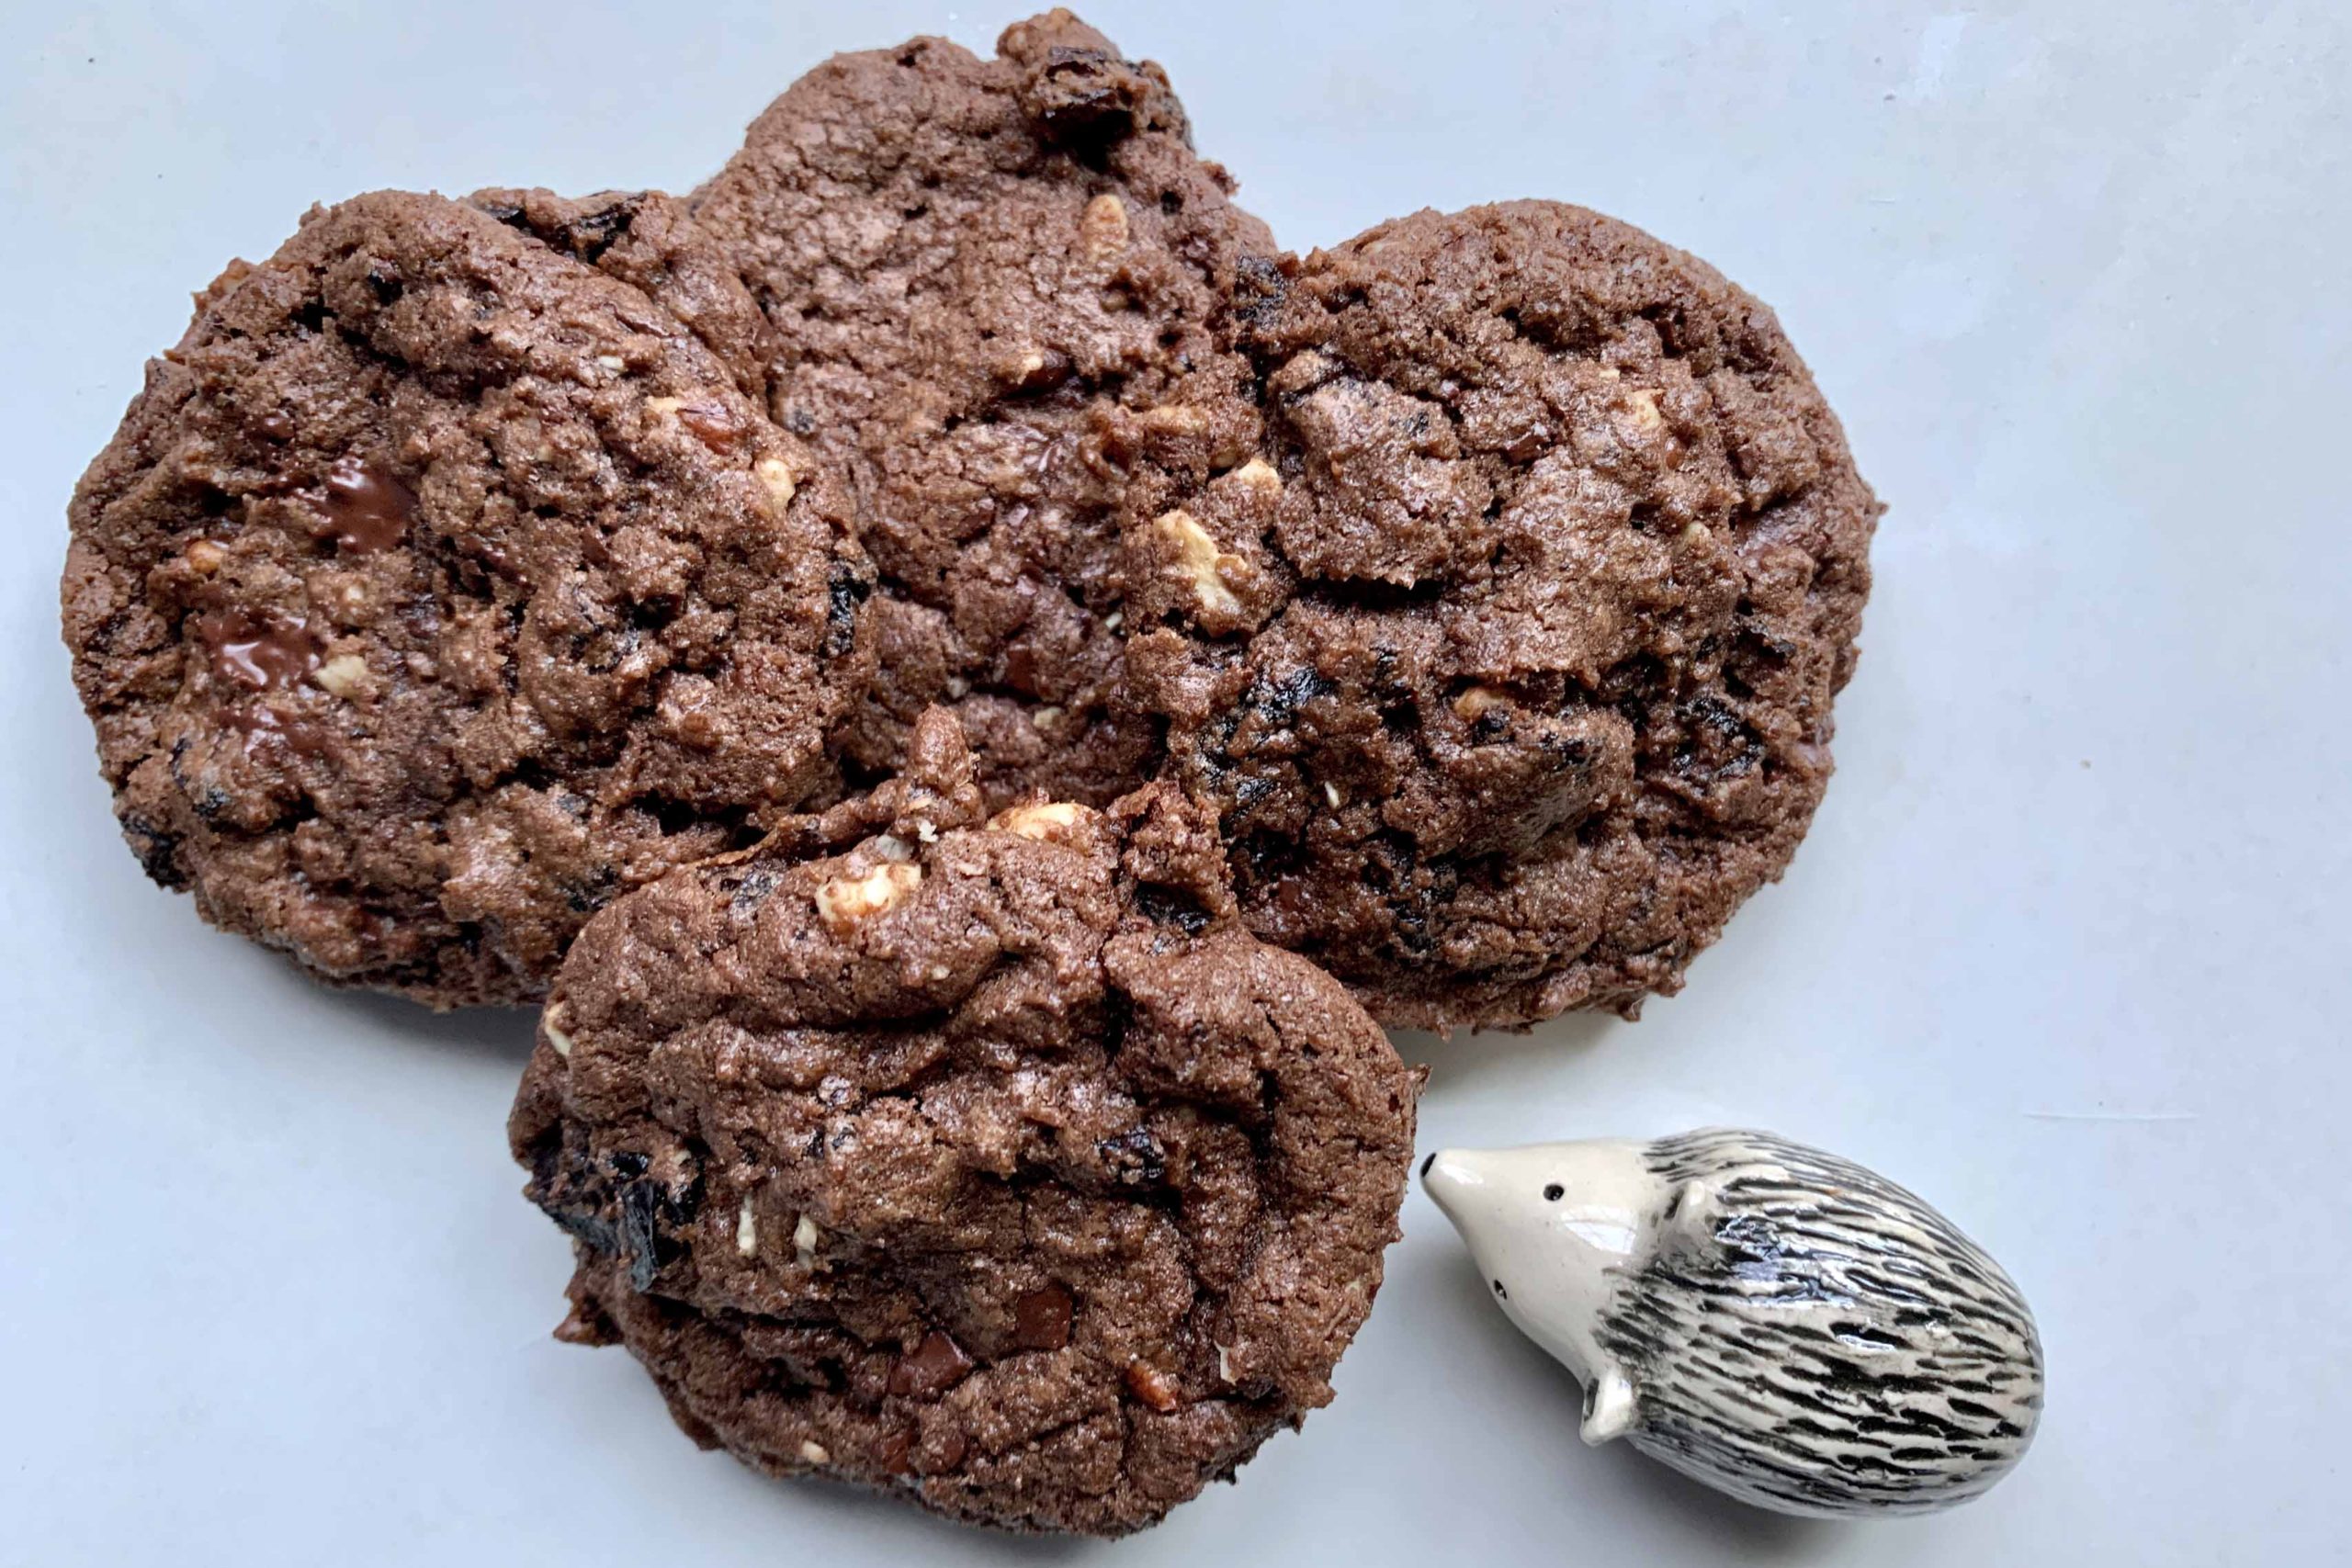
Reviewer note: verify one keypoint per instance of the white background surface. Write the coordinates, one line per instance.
(2066, 951)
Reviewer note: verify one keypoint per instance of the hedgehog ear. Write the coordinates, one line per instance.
(1684, 1204)
(1608, 1405)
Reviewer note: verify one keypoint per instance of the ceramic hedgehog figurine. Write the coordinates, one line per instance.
(1773, 1321)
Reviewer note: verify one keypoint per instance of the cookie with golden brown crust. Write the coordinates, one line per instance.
(1508, 664)
(439, 586)
(1000, 295)
(987, 1161)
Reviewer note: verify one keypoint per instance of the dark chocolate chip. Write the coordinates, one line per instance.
(1041, 1318)
(930, 1369)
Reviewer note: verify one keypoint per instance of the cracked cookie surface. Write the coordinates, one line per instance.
(985, 1160)
(439, 586)
(1508, 664)
(999, 293)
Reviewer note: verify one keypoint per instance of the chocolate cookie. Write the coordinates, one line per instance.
(440, 586)
(1000, 294)
(647, 240)
(1508, 664)
(987, 1161)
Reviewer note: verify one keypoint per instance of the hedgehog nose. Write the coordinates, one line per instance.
(1450, 1176)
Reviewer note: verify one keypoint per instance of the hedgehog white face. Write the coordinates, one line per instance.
(1551, 1226)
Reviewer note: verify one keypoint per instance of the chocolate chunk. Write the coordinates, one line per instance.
(366, 508)
(930, 1369)
(255, 652)
(262, 725)
(711, 425)
(1041, 1318)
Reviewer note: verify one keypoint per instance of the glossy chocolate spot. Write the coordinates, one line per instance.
(368, 508)
(1041, 1319)
(262, 725)
(257, 654)
(930, 1369)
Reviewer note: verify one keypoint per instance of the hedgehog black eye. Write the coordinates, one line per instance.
(1553, 1194)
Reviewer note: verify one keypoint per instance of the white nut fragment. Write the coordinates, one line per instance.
(1643, 403)
(1174, 419)
(1200, 562)
(1332, 794)
(804, 1241)
(747, 1230)
(892, 848)
(205, 557)
(345, 675)
(1047, 717)
(814, 1452)
(1102, 227)
(1301, 373)
(612, 362)
(1695, 534)
(1224, 1364)
(1050, 821)
(1258, 474)
(1474, 702)
(552, 1025)
(845, 901)
(776, 476)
